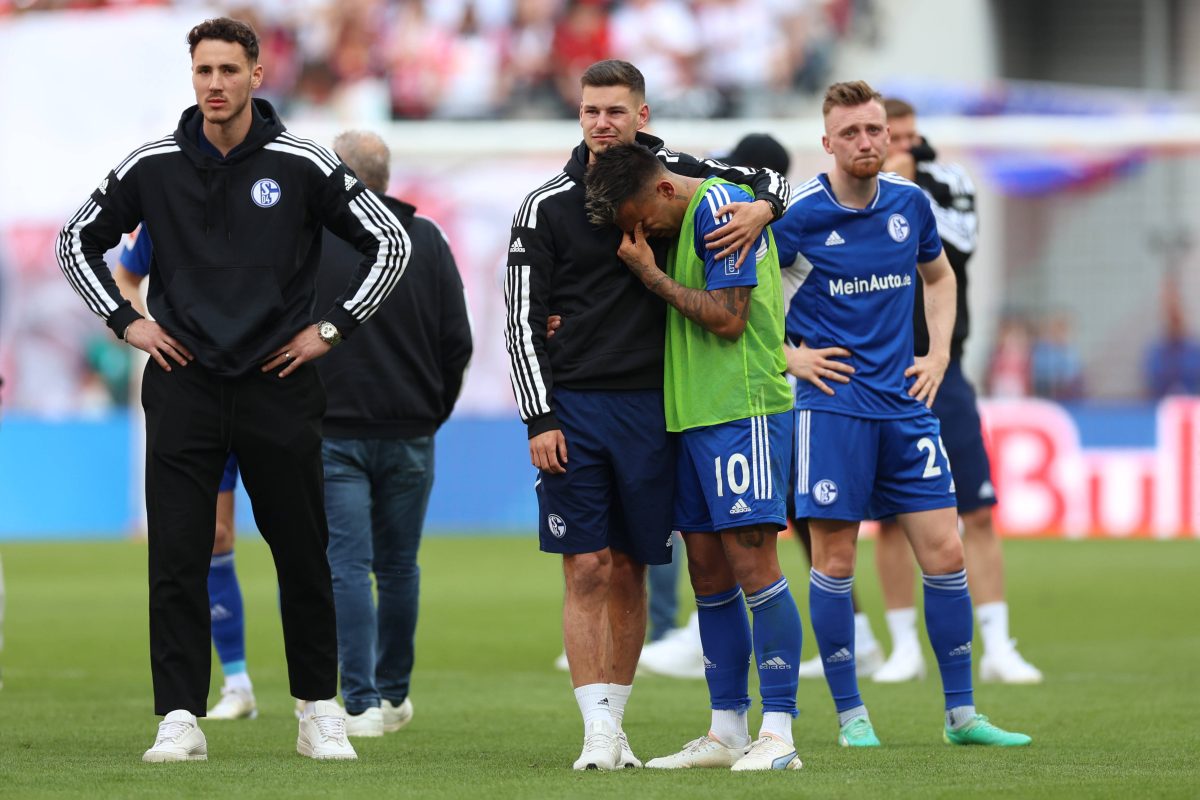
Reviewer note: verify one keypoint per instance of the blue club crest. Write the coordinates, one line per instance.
(265, 193)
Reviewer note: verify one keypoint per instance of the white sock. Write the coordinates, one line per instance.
(593, 704)
(993, 626)
(902, 624)
(239, 681)
(864, 637)
(618, 696)
(730, 727)
(778, 724)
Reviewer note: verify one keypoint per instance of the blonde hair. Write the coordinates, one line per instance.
(848, 95)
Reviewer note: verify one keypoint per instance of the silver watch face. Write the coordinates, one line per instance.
(327, 331)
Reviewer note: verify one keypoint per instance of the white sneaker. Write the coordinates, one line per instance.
(679, 654)
(812, 668)
(601, 748)
(179, 739)
(868, 660)
(769, 752)
(1007, 666)
(396, 717)
(561, 664)
(627, 760)
(905, 664)
(323, 735)
(234, 704)
(707, 751)
(368, 723)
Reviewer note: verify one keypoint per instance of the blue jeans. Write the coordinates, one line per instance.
(376, 493)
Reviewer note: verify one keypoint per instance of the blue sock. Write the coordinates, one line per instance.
(777, 637)
(225, 608)
(725, 636)
(832, 612)
(949, 623)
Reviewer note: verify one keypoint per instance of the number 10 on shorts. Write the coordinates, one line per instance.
(736, 471)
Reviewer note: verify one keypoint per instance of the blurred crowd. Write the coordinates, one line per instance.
(371, 60)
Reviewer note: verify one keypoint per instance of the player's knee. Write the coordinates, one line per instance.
(942, 556)
(978, 525)
(588, 573)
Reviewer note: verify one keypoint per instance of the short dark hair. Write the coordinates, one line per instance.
(895, 107)
(226, 30)
(619, 173)
(849, 94)
(614, 72)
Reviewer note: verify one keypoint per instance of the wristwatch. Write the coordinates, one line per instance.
(329, 333)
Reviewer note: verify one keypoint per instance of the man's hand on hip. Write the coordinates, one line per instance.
(304, 346)
(149, 336)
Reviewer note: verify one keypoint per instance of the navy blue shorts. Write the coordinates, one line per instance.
(229, 479)
(962, 433)
(620, 481)
(734, 474)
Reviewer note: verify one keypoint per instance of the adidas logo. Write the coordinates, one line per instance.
(840, 656)
(103, 187)
(740, 507)
(602, 702)
(987, 491)
(833, 239)
(775, 663)
(350, 181)
(708, 664)
(219, 612)
(517, 247)
(962, 650)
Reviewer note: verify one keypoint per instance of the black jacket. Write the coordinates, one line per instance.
(952, 197)
(236, 240)
(613, 328)
(400, 376)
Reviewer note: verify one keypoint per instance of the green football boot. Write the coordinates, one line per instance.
(858, 732)
(980, 731)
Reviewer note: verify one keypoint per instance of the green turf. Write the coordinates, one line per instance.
(1112, 624)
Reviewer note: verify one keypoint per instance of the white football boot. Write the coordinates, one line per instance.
(707, 751)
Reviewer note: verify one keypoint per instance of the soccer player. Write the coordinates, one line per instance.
(727, 398)
(952, 196)
(224, 592)
(592, 400)
(873, 448)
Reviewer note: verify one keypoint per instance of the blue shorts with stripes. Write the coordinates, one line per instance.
(962, 432)
(734, 474)
(854, 468)
(620, 476)
(229, 478)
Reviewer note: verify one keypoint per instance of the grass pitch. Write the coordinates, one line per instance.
(1112, 624)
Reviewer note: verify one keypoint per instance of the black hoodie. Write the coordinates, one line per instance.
(236, 240)
(401, 375)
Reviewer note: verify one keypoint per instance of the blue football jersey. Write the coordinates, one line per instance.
(859, 294)
(724, 273)
(135, 255)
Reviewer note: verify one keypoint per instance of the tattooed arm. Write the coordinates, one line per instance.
(720, 311)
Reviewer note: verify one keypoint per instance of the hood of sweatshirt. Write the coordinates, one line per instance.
(265, 125)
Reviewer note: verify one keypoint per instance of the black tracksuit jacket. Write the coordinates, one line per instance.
(236, 240)
(613, 328)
